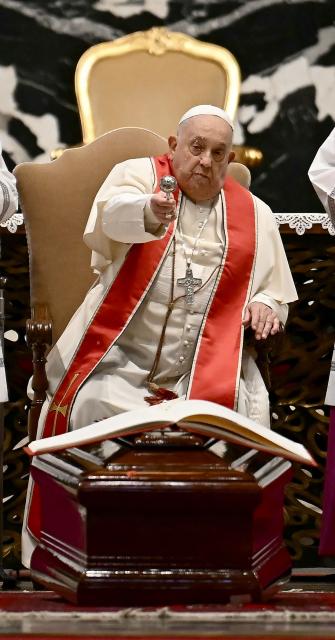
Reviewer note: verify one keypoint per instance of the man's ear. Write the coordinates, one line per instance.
(231, 157)
(172, 140)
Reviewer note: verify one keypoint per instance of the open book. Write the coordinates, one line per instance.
(197, 416)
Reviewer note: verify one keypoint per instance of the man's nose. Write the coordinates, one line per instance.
(206, 159)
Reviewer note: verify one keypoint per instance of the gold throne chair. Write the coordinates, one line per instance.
(150, 78)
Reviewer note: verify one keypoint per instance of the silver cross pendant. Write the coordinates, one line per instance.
(189, 283)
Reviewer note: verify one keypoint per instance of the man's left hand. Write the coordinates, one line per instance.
(262, 319)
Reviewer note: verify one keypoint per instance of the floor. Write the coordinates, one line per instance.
(43, 614)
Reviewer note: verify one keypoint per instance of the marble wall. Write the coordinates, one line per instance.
(286, 49)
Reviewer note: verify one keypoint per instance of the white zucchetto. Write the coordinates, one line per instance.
(207, 110)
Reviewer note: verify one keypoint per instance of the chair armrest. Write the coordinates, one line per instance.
(265, 351)
(39, 340)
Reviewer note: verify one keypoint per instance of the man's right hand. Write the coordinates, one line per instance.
(163, 209)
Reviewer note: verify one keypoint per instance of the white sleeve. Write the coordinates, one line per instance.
(121, 211)
(272, 279)
(8, 192)
(322, 174)
(128, 218)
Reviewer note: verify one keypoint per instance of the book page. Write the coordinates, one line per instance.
(196, 415)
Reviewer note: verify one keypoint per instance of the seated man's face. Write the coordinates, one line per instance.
(200, 155)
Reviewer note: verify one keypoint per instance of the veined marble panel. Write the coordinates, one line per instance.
(286, 51)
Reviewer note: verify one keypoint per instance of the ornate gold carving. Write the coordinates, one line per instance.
(158, 40)
(250, 156)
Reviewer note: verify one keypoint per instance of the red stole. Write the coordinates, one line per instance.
(216, 367)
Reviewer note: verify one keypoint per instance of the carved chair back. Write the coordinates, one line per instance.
(149, 79)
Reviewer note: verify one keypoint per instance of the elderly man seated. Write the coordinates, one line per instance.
(180, 278)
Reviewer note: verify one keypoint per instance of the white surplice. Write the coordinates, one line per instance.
(8, 206)
(8, 192)
(121, 216)
(322, 175)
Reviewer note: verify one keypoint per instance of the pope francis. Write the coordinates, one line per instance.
(181, 275)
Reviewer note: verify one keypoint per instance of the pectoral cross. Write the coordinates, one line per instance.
(189, 283)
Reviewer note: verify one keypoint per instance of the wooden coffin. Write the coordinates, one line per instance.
(151, 524)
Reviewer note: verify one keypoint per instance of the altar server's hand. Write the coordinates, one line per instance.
(163, 208)
(262, 319)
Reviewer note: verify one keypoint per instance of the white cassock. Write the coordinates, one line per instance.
(322, 175)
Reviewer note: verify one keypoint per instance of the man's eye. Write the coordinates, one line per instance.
(218, 155)
(196, 149)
